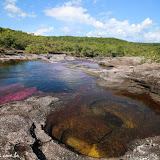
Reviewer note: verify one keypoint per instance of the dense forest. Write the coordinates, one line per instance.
(77, 46)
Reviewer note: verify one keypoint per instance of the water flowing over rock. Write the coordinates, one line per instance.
(80, 122)
(127, 74)
(15, 92)
(101, 128)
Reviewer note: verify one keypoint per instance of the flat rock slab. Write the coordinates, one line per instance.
(127, 74)
(16, 118)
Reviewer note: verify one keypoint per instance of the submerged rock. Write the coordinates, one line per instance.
(127, 74)
(100, 128)
(107, 138)
(16, 119)
(15, 92)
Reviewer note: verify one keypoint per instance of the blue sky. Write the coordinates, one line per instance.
(132, 20)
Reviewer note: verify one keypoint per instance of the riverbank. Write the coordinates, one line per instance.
(26, 57)
(22, 134)
(23, 121)
(127, 74)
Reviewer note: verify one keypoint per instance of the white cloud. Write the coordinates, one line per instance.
(153, 36)
(143, 32)
(12, 8)
(73, 2)
(78, 32)
(147, 23)
(72, 14)
(10, 15)
(14, 11)
(68, 13)
(44, 30)
(66, 30)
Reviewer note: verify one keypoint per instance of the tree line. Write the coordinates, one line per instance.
(77, 46)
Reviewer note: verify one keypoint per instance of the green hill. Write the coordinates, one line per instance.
(77, 46)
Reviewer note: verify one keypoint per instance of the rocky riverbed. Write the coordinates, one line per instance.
(22, 134)
(22, 122)
(26, 57)
(127, 74)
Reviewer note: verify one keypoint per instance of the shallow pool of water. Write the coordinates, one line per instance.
(46, 77)
(94, 122)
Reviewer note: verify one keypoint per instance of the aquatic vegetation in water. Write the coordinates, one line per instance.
(15, 92)
(101, 127)
(93, 122)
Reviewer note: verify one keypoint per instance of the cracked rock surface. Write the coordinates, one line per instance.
(17, 118)
(127, 74)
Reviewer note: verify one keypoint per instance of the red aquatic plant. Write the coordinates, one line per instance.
(15, 92)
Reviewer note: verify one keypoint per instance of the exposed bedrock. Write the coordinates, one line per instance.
(23, 57)
(127, 74)
(139, 79)
(22, 131)
(16, 120)
(120, 61)
(22, 121)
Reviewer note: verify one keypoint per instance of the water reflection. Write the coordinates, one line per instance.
(101, 124)
(93, 122)
(46, 77)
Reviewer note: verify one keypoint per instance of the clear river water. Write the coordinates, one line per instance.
(94, 122)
